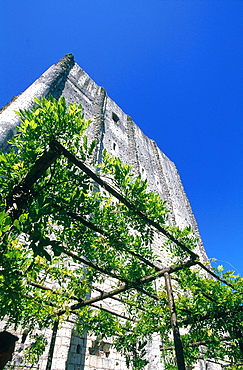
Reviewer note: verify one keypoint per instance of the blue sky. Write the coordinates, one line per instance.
(175, 66)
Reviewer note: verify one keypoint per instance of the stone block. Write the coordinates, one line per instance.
(116, 132)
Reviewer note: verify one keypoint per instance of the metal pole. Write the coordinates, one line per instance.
(176, 333)
(52, 345)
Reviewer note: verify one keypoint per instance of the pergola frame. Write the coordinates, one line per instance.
(22, 194)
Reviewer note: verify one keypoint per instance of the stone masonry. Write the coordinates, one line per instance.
(115, 131)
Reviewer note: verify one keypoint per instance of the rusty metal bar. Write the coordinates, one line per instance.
(21, 193)
(131, 285)
(196, 344)
(56, 145)
(52, 345)
(175, 328)
(119, 245)
(113, 313)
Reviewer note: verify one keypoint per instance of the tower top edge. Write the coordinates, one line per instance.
(66, 62)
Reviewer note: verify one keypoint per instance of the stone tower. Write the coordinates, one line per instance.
(115, 131)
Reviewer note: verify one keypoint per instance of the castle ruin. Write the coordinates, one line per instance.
(121, 137)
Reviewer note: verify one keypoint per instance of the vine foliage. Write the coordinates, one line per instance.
(68, 225)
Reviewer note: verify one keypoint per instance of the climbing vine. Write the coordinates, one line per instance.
(63, 234)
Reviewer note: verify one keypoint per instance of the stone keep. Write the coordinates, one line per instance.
(115, 131)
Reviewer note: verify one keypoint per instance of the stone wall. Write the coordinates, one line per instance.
(115, 131)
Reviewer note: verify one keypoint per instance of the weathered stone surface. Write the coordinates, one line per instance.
(116, 132)
(51, 82)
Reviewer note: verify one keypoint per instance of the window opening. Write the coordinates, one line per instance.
(100, 348)
(115, 117)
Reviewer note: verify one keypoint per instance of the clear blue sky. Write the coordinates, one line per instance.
(175, 66)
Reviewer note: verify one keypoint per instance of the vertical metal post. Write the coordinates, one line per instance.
(52, 345)
(176, 333)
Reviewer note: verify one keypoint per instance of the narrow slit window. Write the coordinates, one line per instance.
(115, 117)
